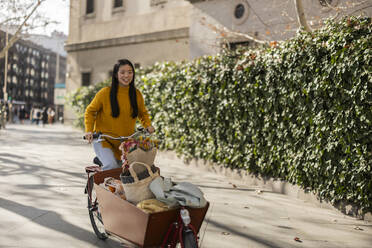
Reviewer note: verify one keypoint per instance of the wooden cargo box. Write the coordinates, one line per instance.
(126, 221)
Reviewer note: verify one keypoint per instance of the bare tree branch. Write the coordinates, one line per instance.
(259, 18)
(247, 36)
(343, 8)
(364, 7)
(10, 19)
(312, 21)
(222, 30)
(16, 37)
(285, 13)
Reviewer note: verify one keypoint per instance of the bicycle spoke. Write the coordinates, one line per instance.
(95, 215)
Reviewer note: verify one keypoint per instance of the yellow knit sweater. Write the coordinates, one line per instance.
(98, 116)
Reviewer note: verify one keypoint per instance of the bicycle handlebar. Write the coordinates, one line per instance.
(122, 138)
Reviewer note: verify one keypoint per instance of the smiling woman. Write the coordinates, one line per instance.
(114, 110)
(125, 75)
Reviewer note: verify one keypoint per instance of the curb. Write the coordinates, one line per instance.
(276, 186)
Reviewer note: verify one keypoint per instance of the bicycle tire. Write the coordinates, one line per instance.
(94, 214)
(189, 240)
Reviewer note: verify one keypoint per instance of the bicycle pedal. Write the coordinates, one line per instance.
(93, 209)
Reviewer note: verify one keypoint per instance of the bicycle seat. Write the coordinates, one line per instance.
(97, 162)
(94, 168)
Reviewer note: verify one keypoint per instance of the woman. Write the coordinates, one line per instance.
(51, 114)
(22, 114)
(114, 111)
(44, 116)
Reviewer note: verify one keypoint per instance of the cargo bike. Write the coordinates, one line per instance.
(111, 215)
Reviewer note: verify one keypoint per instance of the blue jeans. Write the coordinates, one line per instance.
(106, 156)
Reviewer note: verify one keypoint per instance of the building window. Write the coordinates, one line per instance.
(118, 6)
(90, 7)
(118, 3)
(240, 11)
(85, 79)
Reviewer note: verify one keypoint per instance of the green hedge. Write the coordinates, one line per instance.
(300, 110)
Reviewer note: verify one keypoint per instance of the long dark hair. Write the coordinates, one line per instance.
(114, 90)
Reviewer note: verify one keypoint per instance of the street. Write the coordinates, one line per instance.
(42, 200)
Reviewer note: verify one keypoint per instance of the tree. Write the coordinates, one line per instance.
(293, 16)
(356, 5)
(21, 17)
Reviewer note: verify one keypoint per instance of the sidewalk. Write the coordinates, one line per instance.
(42, 203)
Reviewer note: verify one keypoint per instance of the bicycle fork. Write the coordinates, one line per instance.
(177, 229)
(186, 227)
(88, 190)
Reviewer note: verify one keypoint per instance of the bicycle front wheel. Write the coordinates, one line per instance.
(94, 214)
(189, 240)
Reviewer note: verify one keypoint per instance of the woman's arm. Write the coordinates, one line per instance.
(143, 114)
(91, 112)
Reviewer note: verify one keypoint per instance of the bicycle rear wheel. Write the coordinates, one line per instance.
(94, 214)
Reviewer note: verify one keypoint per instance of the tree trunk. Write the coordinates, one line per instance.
(301, 15)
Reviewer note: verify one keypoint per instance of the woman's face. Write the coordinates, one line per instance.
(125, 75)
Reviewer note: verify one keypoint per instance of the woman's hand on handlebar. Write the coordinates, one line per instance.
(89, 137)
(150, 129)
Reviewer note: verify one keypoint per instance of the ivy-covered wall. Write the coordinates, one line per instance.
(300, 110)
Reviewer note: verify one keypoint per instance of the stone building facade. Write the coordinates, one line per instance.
(264, 20)
(101, 32)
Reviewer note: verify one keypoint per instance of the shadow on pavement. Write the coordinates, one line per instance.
(69, 138)
(24, 167)
(53, 220)
(266, 242)
(11, 155)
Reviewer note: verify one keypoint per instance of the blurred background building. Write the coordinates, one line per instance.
(34, 67)
(55, 43)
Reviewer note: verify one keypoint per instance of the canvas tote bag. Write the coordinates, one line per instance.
(139, 190)
(142, 156)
